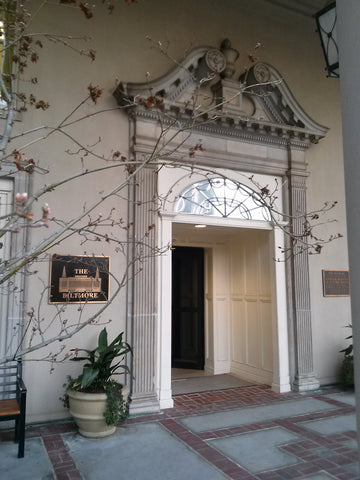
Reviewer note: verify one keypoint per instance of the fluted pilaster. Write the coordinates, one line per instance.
(304, 377)
(145, 309)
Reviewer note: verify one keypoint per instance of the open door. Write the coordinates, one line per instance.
(188, 308)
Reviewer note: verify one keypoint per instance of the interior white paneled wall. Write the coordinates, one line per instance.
(251, 331)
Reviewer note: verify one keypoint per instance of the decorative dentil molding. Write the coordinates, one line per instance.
(276, 99)
(170, 86)
(277, 118)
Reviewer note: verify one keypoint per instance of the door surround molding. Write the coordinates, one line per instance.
(281, 377)
(272, 140)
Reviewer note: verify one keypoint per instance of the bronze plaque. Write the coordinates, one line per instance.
(336, 283)
(79, 279)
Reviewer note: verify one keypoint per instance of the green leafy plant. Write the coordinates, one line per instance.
(97, 373)
(347, 367)
(116, 407)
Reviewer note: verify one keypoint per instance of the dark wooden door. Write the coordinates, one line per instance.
(188, 308)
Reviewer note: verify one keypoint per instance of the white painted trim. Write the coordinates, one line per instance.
(164, 356)
(217, 221)
(280, 379)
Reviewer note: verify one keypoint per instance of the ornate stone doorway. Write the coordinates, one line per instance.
(245, 299)
(263, 132)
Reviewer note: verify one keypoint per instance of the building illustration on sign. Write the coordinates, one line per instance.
(80, 282)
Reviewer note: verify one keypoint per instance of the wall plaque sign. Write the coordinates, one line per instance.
(336, 283)
(79, 279)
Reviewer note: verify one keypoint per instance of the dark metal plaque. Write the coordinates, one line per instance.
(79, 279)
(336, 283)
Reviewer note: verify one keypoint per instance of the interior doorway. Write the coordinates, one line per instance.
(245, 320)
(222, 303)
(245, 298)
(188, 308)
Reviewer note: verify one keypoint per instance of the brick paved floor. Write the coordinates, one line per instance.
(332, 456)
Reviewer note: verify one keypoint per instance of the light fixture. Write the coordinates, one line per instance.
(200, 225)
(326, 26)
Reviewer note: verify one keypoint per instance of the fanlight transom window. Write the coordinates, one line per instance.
(221, 197)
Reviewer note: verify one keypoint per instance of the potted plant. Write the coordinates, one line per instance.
(96, 401)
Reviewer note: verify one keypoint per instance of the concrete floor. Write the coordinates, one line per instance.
(238, 433)
(204, 383)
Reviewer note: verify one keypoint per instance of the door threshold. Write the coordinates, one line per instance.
(183, 373)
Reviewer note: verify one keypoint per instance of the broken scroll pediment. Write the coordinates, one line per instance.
(201, 89)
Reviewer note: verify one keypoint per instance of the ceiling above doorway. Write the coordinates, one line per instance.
(305, 7)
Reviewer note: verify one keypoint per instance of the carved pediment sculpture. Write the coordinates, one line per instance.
(257, 107)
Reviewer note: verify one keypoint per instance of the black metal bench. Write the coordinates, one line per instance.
(13, 400)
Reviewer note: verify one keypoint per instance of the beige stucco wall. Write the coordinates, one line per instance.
(289, 43)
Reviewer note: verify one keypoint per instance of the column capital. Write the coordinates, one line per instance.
(297, 178)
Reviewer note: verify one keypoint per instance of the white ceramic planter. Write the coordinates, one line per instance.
(87, 409)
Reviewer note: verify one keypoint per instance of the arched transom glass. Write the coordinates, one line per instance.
(221, 197)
